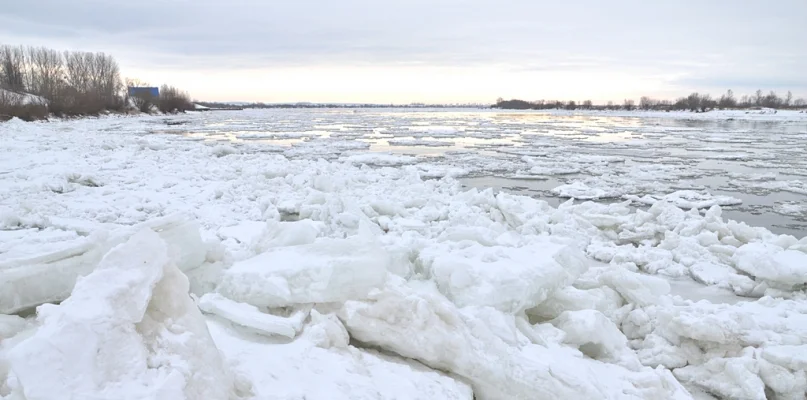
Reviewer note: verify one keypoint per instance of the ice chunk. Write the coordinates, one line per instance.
(379, 159)
(10, 325)
(427, 327)
(608, 344)
(326, 331)
(791, 357)
(509, 279)
(687, 199)
(251, 317)
(31, 281)
(287, 233)
(320, 365)
(733, 378)
(243, 232)
(635, 288)
(128, 331)
(603, 299)
(328, 270)
(580, 190)
(770, 262)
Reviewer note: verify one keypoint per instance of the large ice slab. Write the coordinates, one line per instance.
(251, 317)
(328, 270)
(316, 368)
(26, 282)
(427, 327)
(511, 279)
(129, 330)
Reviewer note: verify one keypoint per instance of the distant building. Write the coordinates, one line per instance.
(144, 91)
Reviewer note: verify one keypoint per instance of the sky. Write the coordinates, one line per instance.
(434, 51)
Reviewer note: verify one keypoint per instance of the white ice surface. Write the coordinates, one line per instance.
(128, 331)
(328, 270)
(687, 199)
(368, 278)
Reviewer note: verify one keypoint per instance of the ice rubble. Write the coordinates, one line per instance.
(30, 281)
(374, 283)
(128, 331)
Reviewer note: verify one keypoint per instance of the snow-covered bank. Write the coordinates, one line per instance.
(336, 280)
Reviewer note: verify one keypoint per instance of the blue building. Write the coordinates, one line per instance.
(144, 92)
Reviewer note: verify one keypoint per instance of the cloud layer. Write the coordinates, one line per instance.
(682, 46)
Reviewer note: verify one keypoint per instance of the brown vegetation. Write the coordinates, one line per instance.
(694, 102)
(72, 84)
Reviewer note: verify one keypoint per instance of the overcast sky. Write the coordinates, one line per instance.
(432, 51)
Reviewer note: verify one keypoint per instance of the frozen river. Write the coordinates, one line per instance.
(246, 254)
(755, 168)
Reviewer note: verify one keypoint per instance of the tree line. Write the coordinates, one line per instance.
(696, 102)
(36, 82)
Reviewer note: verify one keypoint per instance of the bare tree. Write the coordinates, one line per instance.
(174, 100)
(788, 98)
(646, 103)
(694, 101)
(628, 104)
(587, 104)
(771, 100)
(706, 103)
(47, 72)
(12, 68)
(727, 100)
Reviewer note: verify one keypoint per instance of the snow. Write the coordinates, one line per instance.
(251, 317)
(328, 270)
(772, 263)
(379, 159)
(22, 98)
(160, 267)
(49, 277)
(140, 335)
(687, 199)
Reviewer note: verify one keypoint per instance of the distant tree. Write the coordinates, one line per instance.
(745, 101)
(587, 104)
(727, 100)
(788, 98)
(628, 104)
(800, 102)
(771, 100)
(571, 105)
(173, 100)
(609, 105)
(706, 103)
(694, 102)
(513, 104)
(758, 97)
(646, 103)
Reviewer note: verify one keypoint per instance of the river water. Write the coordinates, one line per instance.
(759, 164)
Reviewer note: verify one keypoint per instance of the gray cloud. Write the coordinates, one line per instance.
(717, 42)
